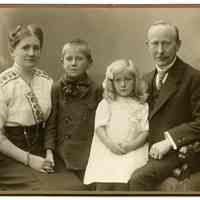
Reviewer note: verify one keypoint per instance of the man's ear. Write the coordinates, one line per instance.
(61, 59)
(178, 45)
(11, 51)
(90, 63)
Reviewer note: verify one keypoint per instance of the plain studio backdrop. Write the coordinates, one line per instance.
(112, 33)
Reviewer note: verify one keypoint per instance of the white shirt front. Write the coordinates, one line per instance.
(164, 70)
(166, 134)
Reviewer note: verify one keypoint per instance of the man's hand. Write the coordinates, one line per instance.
(159, 149)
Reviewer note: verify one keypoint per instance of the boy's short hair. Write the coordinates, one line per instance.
(78, 42)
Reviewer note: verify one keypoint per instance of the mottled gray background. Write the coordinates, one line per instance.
(112, 32)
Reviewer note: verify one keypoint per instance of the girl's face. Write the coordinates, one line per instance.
(75, 62)
(27, 52)
(124, 83)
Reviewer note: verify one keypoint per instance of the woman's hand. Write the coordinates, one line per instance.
(38, 163)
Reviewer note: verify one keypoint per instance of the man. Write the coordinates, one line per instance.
(174, 107)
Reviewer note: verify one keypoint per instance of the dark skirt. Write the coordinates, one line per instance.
(16, 176)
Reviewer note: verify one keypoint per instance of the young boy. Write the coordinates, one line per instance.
(74, 100)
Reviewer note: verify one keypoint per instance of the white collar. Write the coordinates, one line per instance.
(166, 67)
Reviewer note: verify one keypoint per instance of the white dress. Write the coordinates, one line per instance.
(125, 118)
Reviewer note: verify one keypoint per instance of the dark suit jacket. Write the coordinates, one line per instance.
(177, 108)
(70, 127)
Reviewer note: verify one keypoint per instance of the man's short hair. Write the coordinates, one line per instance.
(164, 23)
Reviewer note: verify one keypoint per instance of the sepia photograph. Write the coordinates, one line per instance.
(99, 100)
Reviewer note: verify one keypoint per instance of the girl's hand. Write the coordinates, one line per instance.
(116, 149)
(127, 146)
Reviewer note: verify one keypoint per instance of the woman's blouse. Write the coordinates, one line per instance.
(21, 103)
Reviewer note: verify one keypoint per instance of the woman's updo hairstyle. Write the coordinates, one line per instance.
(22, 31)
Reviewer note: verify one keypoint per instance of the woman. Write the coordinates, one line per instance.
(25, 104)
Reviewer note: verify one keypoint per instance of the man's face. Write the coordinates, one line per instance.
(163, 44)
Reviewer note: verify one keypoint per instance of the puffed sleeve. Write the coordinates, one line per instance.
(144, 123)
(102, 114)
(3, 109)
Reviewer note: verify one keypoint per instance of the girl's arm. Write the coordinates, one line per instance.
(135, 143)
(106, 140)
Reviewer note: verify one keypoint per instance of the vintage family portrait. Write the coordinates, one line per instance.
(99, 99)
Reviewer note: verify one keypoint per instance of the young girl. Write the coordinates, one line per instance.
(121, 128)
(75, 98)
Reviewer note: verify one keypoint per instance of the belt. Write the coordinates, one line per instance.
(25, 136)
(28, 129)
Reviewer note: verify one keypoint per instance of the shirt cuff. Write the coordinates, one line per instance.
(168, 136)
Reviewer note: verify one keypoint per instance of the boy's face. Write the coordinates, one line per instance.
(75, 62)
(124, 83)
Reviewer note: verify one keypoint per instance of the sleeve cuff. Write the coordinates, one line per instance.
(47, 146)
(168, 136)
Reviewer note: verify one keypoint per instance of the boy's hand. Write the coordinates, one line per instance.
(49, 161)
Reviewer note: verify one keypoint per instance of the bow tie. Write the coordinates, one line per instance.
(75, 88)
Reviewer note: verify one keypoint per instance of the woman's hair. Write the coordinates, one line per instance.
(82, 46)
(140, 87)
(22, 31)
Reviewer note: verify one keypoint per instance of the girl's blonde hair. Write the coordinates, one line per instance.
(140, 87)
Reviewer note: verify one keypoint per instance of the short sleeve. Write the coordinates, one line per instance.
(144, 117)
(102, 114)
(3, 109)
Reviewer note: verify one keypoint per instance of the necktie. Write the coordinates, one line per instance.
(160, 77)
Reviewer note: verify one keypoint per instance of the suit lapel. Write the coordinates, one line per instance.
(169, 88)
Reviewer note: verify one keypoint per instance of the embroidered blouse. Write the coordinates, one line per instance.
(21, 104)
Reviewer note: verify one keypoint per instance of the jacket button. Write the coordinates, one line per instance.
(68, 119)
(67, 136)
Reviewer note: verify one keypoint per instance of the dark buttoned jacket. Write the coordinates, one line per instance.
(70, 127)
(176, 107)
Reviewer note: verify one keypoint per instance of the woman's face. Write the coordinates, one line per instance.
(27, 52)
(75, 62)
